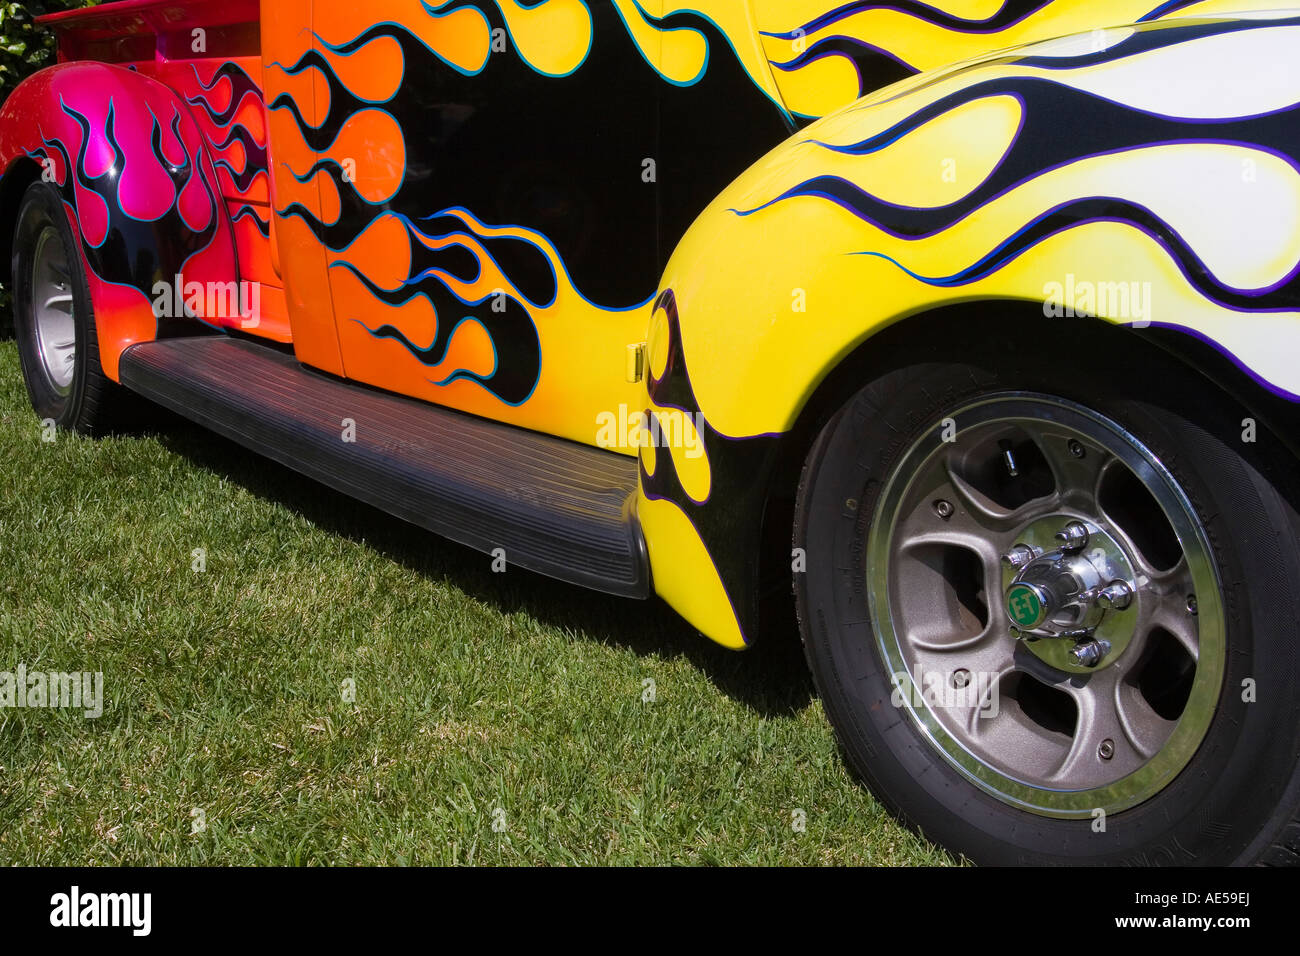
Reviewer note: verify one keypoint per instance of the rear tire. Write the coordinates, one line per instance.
(54, 321)
(1038, 789)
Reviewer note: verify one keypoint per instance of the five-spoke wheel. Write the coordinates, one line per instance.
(1015, 698)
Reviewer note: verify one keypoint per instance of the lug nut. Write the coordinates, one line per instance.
(1076, 449)
(960, 677)
(943, 509)
(1073, 537)
(1107, 749)
(1117, 595)
(1191, 605)
(1020, 555)
(1088, 653)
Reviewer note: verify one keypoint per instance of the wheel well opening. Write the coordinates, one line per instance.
(21, 174)
(959, 331)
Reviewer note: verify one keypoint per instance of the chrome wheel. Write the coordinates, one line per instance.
(1046, 601)
(52, 304)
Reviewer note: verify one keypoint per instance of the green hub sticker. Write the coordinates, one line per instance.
(1023, 605)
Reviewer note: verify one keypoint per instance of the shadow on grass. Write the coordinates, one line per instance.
(771, 678)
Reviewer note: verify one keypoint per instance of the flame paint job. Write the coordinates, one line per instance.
(137, 184)
(298, 255)
(236, 131)
(825, 54)
(699, 515)
(1034, 206)
(503, 96)
(505, 281)
(226, 101)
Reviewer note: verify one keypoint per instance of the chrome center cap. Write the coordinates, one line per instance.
(1068, 588)
(1029, 605)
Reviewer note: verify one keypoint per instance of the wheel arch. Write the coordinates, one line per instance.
(952, 330)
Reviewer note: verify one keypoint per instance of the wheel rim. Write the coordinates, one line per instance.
(984, 658)
(53, 308)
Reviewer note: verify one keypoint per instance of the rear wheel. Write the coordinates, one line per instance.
(1051, 626)
(54, 323)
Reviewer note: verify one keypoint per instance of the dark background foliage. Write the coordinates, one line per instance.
(24, 47)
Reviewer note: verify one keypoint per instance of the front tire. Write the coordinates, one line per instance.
(953, 681)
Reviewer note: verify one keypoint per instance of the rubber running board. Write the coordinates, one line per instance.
(555, 507)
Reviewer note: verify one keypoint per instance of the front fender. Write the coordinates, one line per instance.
(139, 188)
(1147, 176)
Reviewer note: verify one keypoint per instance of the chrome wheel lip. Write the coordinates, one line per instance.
(1019, 791)
(53, 311)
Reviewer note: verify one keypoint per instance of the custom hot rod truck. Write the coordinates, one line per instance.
(964, 333)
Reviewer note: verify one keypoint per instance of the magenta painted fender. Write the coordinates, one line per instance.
(139, 187)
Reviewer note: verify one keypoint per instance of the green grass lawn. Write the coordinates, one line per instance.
(480, 697)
